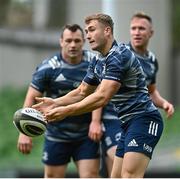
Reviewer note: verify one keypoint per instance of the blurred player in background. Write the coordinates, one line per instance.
(118, 75)
(66, 139)
(141, 30)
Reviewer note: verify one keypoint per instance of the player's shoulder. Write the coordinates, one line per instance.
(122, 50)
(120, 47)
(152, 56)
(120, 53)
(52, 62)
(88, 55)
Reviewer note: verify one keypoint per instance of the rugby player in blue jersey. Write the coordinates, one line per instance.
(66, 139)
(119, 77)
(141, 30)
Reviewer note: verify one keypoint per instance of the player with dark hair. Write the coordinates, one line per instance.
(118, 75)
(66, 139)
(141, 31)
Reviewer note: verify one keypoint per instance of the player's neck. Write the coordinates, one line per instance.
(104, 51)
(72, 60)
(141, 50)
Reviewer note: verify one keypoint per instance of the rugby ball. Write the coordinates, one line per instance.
(29, 121)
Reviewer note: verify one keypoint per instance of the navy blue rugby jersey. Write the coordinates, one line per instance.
(55, 77)
(121, 65)
(149, 64)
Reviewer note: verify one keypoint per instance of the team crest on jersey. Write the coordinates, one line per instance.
(100, 70)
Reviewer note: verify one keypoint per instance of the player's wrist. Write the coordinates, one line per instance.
(56, 102)
(96, 120)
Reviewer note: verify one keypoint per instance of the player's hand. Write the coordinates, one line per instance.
(169, 109)
(24, 144)
(44, 104)
(95, 130)
(56, 114)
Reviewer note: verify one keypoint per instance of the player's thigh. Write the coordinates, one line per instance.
(88, 168)
(86, 156)
(111, 152)
(117, 167)
(55, 171)
(134, 165)
(110, 158)
(56, 156)
(109, 164)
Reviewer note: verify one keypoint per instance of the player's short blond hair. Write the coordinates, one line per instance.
(102, 18)
(142, 15)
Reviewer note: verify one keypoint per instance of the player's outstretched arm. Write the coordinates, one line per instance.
(93, 101)
(45, 104)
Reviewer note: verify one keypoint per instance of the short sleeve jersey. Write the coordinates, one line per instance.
(121, 65)
(149, 64)
(55, 77)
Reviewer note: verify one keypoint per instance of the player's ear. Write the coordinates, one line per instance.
(107, 30)
(151, 33)
(60, 41)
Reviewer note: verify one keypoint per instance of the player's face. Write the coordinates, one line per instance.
(140, 31)
(95, 34)
(71, 44)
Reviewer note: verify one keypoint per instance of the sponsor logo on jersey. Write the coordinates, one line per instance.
(60, 78)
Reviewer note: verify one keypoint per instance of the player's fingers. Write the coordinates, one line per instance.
(37, 106)
(94, 136)
(24, 148)
(39, 99)
(170, 111)
(50, 117)
(98, 137)
(91, 136)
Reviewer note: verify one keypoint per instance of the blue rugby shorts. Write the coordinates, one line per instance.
(140, 134)
(111, 134)
(60, 153)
